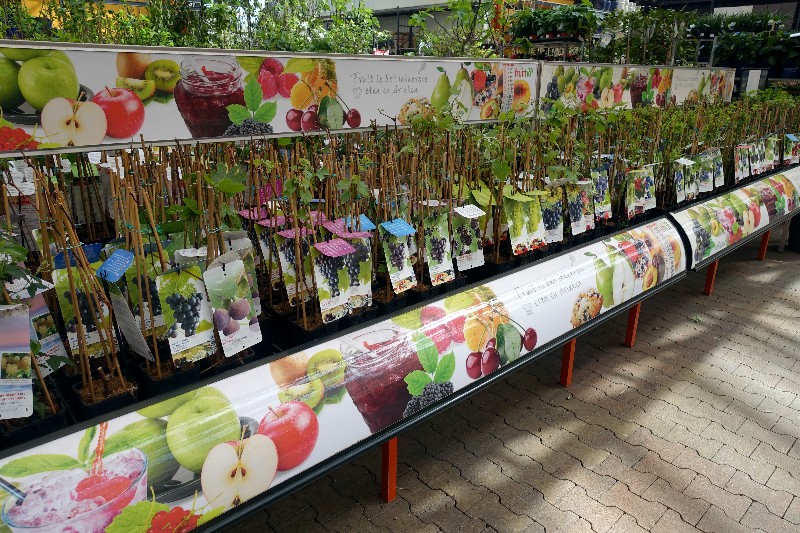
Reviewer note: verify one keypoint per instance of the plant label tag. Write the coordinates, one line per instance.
(115, 266)
(398, 227)
(127, 325)
(470, 211)
(335, 248)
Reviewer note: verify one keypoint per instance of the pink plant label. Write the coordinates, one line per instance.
(335, 248)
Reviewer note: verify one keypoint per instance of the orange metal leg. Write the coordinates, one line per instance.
(711, 276)
(389, 470)
(633, 323)
(762, 250)
(567, 360)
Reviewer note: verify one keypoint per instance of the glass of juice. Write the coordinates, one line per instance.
(377, 363)
(53, 503)
(203, 95)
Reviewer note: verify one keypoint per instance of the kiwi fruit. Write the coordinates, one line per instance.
(165, 72)
(311, 393)
(329, 366)
(144, 89)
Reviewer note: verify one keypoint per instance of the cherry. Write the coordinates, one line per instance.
(529, 339)
(293, 119)
(353, 118)
(474, 365)
(310, 121)
(490, 361)
(491, 343)
(313, 107)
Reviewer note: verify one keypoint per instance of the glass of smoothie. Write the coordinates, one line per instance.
(206, 88)
(64, 501)
(377, 364)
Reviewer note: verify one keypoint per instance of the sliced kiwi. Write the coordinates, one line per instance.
(329, 366)
(165, 72)
(310, 393)
(144, 89)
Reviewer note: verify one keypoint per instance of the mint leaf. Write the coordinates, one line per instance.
(238, 113)
(266, 112)
(136, 518)
(297, 65)
(445, 368)
(253, 94)
(427, 352)
(36, 464)
(85, 443)
(250, 64)
(411, 320)
(416, 381)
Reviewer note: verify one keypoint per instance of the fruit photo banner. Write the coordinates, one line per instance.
(177, 464)
(604, 86)
(103, 95)
(716, 224)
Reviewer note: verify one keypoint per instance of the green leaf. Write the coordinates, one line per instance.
(227, 186)
(331, 114)
(251, 64)
(191, 203)
(416, 381)
(509, 343)
(238, 113)
(84, 446)
(136, 518)
(204, 325)
(266, 112)
(445, 368)
(212, 514)
(253, 94)
(298, 65)
(36, 464)
(427, 352)
(411, 320)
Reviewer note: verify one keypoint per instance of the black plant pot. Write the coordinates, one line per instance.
(363, 314)
(234, 362)
(85, 411)
(300, 335)
(151, 386)
(399, 301)
(416, 296)
(21, 434)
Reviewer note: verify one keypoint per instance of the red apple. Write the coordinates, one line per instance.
(124, 112)
(755, 208)
(294, 429)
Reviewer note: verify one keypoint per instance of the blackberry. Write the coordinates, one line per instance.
(248, 127)
(432, 393)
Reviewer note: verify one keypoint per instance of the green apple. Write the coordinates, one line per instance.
(42, 79)
(161, 409)
(23, 54)
(150, 436)
(210, 392)
(59, 54)
(10, 95)
(197, 426)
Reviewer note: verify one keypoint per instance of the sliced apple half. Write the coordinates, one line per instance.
(234, 472)
(71, 123)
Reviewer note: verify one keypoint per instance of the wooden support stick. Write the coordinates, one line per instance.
(567, 361)
(633, 323)
(389, 470)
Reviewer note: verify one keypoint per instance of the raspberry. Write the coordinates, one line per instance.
(286, 81)
(176, 520)
(268, 84)
(271, 65)
(479, 80)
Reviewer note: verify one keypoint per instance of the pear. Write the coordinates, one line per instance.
(623, 281)
(461, 75)
(606, 79)
(604, 275)
(441, 93)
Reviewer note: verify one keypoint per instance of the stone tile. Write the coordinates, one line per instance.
(678, 478)
(665, 449)
(627, 524)
(545, 513)
(758, 517)
(671, 522)
(601, 517)
(636, 481)
(690, 509)
(645, 512)
(758, 471)
(399, 518)
(776, 501)
(716, 521)
(783, 480)
(743, 441)
(718, 474)
(733, 505)
(595, 484)
(767, 454)
(777, 440)
(793, 512)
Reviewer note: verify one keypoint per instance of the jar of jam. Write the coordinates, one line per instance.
(203, 97)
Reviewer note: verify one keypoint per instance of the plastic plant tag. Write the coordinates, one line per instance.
(273, 222)
(578, 202)
(602, 195)
(234, 314)
(715, 157)
(438, 253)
(91, 251)
(470, 211)
(187, 314)
(267, 192)
(52, 354)
(679, 173)
(359, 271)
(254, 213)
(330, 273)
(129, 326)
(467, 240)
(286, 246)
(141, 282)
(24, 285)
(270, 254)
(16, 385)
(741, 156)
(692, 187)
(398, 227)
(525, 228)
(247, 256)
(115, 266)
(706, 169)
(757, 152)
(770, 149)
(364, 224)
(398, 260)
(553, 214)
(790, 152)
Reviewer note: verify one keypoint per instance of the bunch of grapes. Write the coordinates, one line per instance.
(151, 284)
(437, 248)
(703, 239)
(466, 234)
(329, 267)
(600, 188)
(186, 312)
(648, 183)
(575, 208)
(397, 255)
(87, 318)
(551, 94)
(287, 249)
(552, 215)
(353, 261)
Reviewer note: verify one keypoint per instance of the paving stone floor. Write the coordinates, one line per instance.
(695, 428)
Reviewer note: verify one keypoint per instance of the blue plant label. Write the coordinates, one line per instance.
(398, 227)
(115, 266)
(366, 223)
(91, 251)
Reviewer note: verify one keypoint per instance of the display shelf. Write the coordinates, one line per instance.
(561, 297)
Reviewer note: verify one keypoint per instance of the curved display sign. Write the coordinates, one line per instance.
(605, 86)
(103, 95)
(223, 444)
(716, 224)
